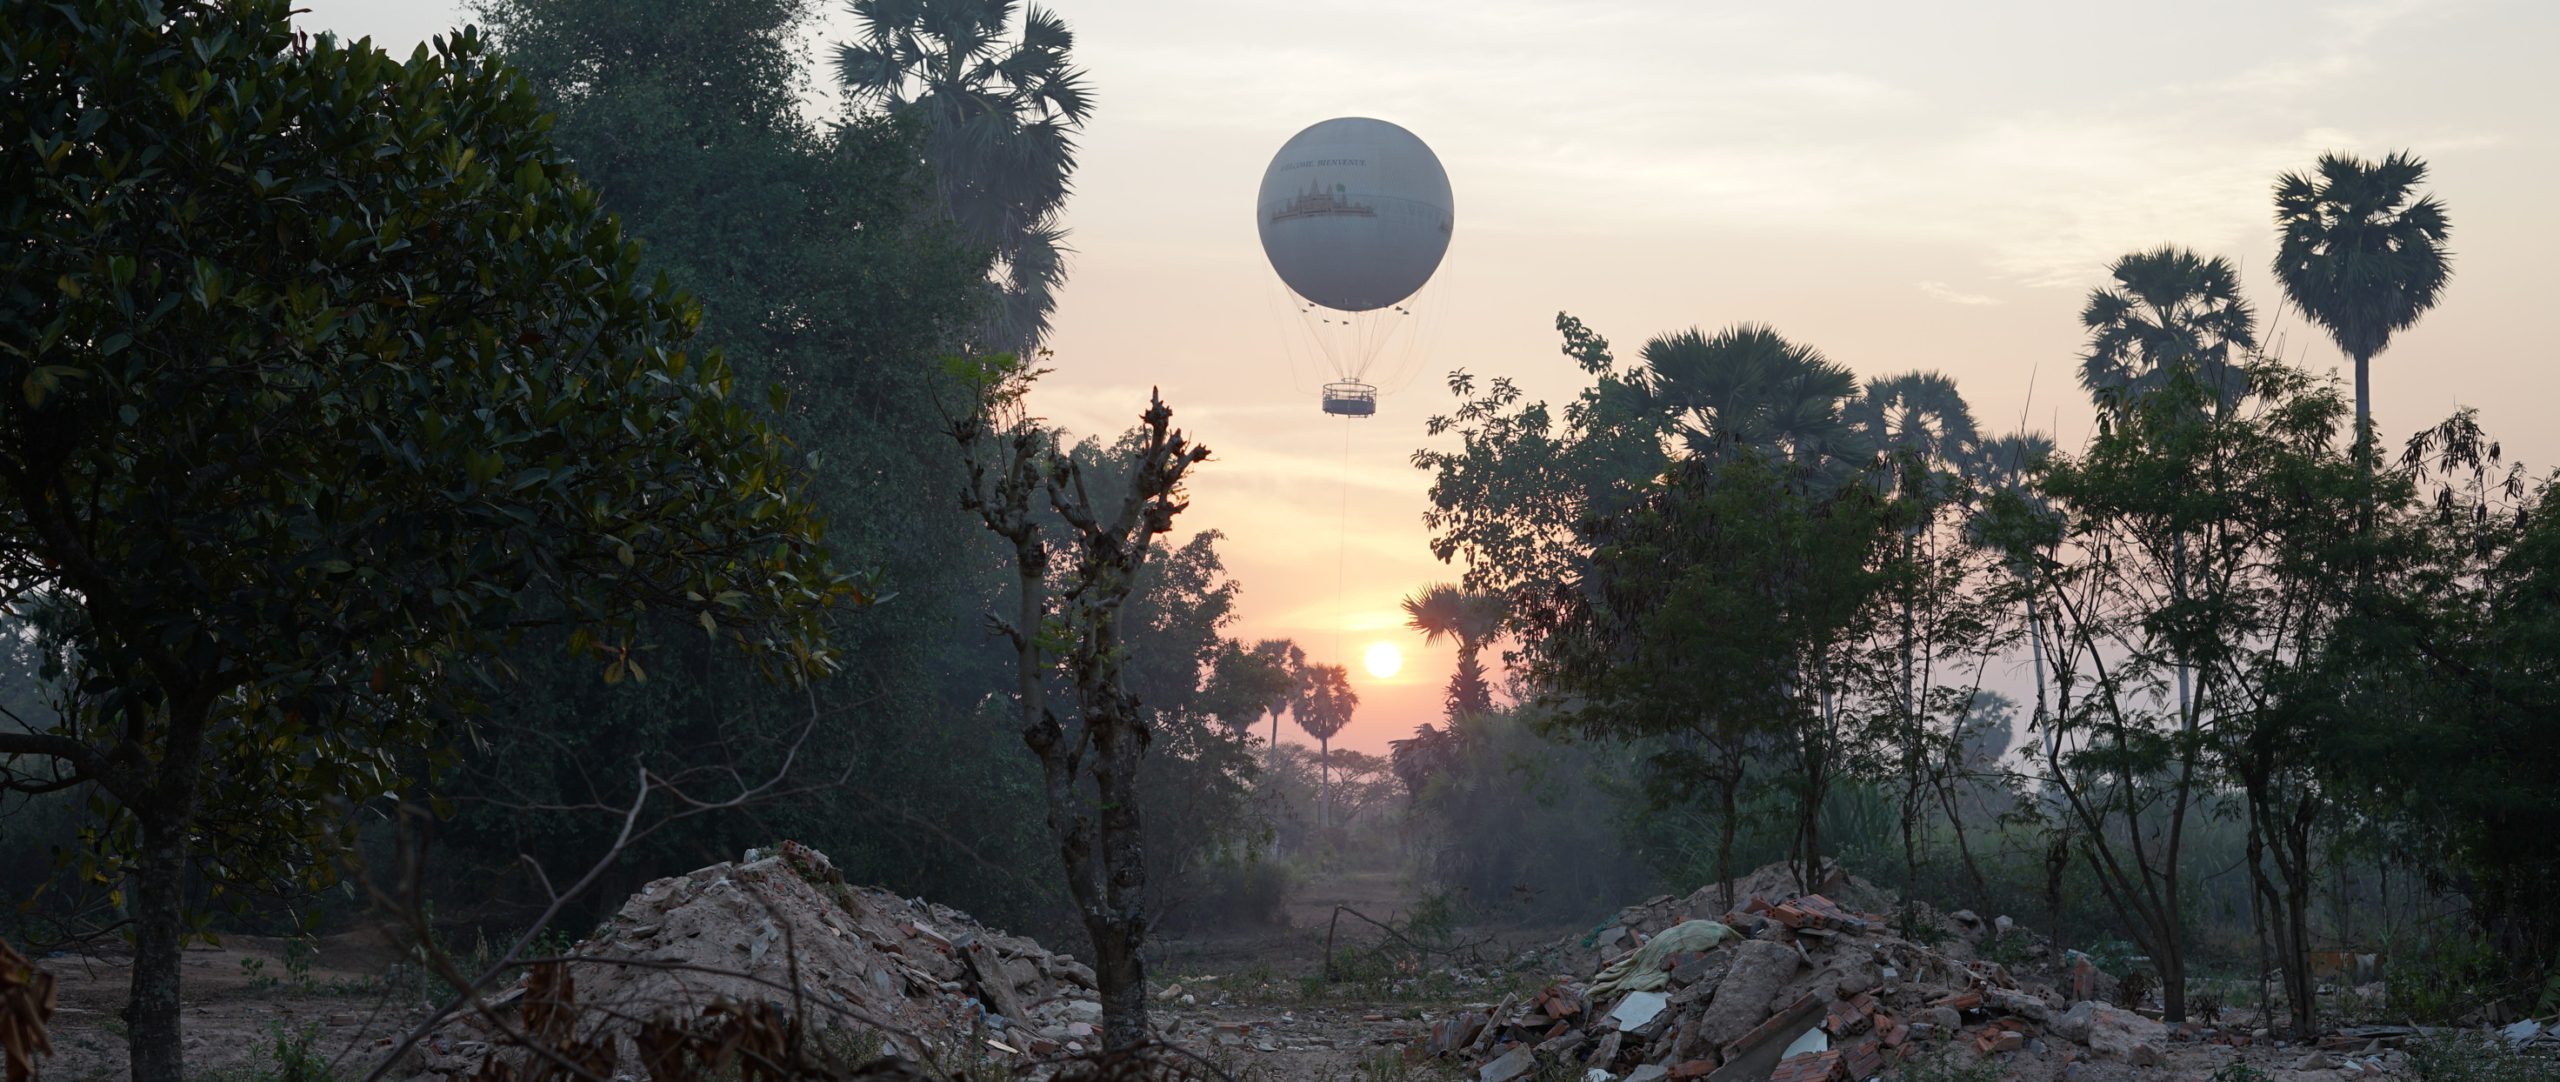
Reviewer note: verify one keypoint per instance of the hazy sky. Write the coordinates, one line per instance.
(1902, 185)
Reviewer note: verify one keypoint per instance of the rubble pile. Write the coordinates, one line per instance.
(782, 928)
(1787, 986)
(1586, 952)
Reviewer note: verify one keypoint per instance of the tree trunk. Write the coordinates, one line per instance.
(2364, 411)
(2171, 959)
(1324, 784)
(158, 880)
(2057, 863)
(1724, 836)
(2297, 948)
(1120, 933)
(1275, 774)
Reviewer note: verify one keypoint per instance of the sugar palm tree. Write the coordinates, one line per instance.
(2362, 255)
(1000, 118)
(2007, 466)
(2170, 310)
(1471, 618)
(1920, 416)
(2172, 314)
(1323, 707)
(1285, 657)
(1748, 387)
(1922, 423)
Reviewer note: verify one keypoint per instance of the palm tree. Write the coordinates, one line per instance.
(1284, 657)
(1921, 422)
(1472, 618)
(1286, 665)
(2170, 311)
(2008, 466)
(2172, 315)
(1747, 387)
(1000, 119)
(1323, 706)
(1920, 415)
(2361, 257)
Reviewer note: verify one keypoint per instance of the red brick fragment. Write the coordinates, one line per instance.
(1963, 1001)
(1808, 1067)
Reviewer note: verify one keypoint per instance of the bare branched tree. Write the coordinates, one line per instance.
(1066, 628)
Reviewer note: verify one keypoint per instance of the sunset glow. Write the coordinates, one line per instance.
(1384, 660)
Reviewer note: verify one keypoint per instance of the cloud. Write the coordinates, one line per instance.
(1951, 295)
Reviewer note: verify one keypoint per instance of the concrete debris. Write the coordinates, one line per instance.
(1637, 1009)
(783, 929)
(1812, 986)
(2114, 1033)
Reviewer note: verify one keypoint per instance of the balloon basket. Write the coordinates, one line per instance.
(1350, 398)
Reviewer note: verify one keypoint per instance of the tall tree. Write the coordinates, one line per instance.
(2169, 310)
(2172, 318)
(2363, 255)
(1748, 387)
(1510, 499)
(1471, 619)
(823, 262)
(1000, 117)
(2456, 652)
(2016, 521)
(1921, 426)
(404, 441)
(1716, 624)
(1067, 628)
(2197, 541)
(1288, 664)
(1323, 708)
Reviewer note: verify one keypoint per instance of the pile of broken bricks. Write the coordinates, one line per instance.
(1804, 990)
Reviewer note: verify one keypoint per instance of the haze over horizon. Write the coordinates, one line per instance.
(1901, 187)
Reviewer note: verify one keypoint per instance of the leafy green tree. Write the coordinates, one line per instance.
(2200, 569)
(2455, 672)
(330, 378)
(2015, 522)
(1000, 117)
(822, 260)
(2363, 255)
(1509, 500)
(1717, 622)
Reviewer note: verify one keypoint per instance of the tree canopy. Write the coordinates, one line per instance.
(336, 380)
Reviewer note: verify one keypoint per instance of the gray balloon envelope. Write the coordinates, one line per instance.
(1354, 213)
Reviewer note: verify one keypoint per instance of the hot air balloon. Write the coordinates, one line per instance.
(1354, 215)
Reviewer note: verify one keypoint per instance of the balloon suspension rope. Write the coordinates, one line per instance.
(1342, 542)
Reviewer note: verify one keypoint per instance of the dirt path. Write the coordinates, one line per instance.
(236, 1015)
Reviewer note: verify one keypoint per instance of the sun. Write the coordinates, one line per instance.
(1384, 659)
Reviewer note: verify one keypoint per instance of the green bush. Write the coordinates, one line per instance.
(1247, 889)
(2477, 1057)
(291, 1055)
(2444, 980)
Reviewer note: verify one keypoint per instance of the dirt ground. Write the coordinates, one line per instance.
(236, 1014)
(1241, 998)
